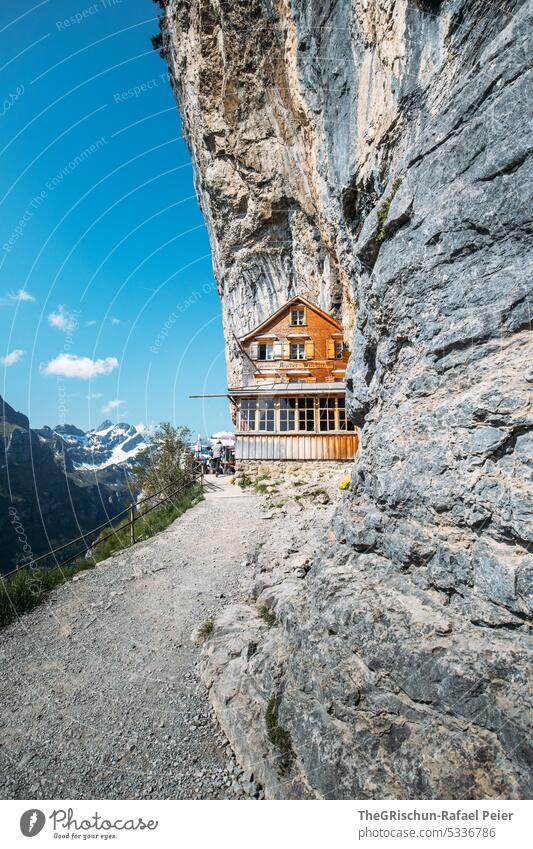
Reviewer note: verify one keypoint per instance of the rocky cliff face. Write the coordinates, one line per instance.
(375, 156)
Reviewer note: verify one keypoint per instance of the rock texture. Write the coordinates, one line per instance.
(376, 156)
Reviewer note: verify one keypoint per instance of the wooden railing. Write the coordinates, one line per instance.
(193, 475)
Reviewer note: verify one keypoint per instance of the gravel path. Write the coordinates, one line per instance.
(100, 695)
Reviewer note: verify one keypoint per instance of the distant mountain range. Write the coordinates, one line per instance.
(107, 445)
(56, 483)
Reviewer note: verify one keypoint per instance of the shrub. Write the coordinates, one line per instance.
(267, 616)
(383, 211)
(279, 737)
(206, 629)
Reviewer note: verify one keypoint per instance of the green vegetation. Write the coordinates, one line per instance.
(206, 629)
(244, 482)
(298, 483)
(279, 737)
(267, 616)
(383, 211)
(26, 589)
(165, 460)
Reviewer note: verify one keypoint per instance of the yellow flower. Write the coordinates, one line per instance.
(345, 482)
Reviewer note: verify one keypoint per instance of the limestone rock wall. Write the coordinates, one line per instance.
(376, 157)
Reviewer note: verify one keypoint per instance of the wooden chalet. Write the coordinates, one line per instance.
(293, 406)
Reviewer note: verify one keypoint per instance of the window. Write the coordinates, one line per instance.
(248, 408)
(298, 351)
(287, 414)
(344, 422)
(327, 414)
(265, 351)
(339, 350)
(306, 407)
(266, 414)
(297, 317)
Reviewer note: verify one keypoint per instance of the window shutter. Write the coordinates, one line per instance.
(331, 349)
(309, 350)
(254, 351)
(278, 350)
(286, 350)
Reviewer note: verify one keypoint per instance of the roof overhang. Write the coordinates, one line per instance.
(292, 388)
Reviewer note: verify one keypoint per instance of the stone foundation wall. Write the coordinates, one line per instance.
(307, 470)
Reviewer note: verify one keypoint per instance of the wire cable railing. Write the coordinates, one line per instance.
(194, 474)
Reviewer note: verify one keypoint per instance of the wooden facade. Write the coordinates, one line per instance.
(294, 406)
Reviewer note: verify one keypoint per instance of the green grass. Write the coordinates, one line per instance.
(383, 211)
(206, 629)
(279, 737)
(267, 616)
(244, 482)
(26, 589)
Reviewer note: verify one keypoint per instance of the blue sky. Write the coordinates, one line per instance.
(106, 287)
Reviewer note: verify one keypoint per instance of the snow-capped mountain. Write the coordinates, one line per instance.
(107, 445)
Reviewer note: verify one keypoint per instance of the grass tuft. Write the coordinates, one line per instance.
(267, 616)
(279, 737)
(205, 630)
(383, 211)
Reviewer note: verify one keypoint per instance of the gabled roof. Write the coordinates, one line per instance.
(297, 299)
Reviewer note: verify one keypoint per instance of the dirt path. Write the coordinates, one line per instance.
(100, 696)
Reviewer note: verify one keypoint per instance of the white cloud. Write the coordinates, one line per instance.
(12, 358)
(71, 365)
(115, 320)
(93, 395)
(21, 295)
(112, 405)
(63, 320)
(90, 323)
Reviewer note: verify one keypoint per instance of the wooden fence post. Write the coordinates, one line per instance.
(131, 515)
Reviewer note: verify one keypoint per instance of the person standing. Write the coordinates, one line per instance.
(217, 454)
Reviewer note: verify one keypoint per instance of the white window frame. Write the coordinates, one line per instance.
(298, 323)
(269, 348)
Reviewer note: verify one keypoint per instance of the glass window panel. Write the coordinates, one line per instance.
(306, 407)
(287, 414)
(327, 414)
(297, 351)
(339, 348)
(248, 408)
(344, 422)
(266, 414)
(297, 318)
(266, 351)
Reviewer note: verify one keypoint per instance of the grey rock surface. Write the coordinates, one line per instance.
(376, 156)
